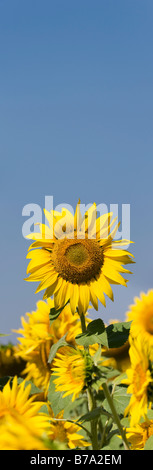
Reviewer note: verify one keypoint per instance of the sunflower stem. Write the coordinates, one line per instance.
(90, 396)
(91, 407)
(115, 415)
(83, 322)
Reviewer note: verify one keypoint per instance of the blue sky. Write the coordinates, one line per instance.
(76, 120)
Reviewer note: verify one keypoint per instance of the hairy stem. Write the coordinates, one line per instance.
(83, 322)
(90, 396)
(115, 415)
(91, 407)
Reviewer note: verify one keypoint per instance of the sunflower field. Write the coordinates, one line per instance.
(72, 382)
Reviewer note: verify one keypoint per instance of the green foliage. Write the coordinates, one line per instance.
(120, 399)
(114, 443)
(34, 389)
(113, 336)
(117, 334)
(61, 343)
(57, 400)
(109, 435)
(149, 444)
(95, 333)
(54, 313)
(94, 414)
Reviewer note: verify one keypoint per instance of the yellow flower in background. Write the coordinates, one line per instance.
(18, 434)
(141, 315)
(38, 335)
(139, 434)
(16, 397)
(10, 365)
(72, 368)
(24, 427)
(118, 358)
(139, 380)
(21, 424)
(76, 258)
(67, 432)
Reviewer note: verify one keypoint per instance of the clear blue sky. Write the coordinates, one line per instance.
(76, 120)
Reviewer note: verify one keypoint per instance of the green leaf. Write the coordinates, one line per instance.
(77, 407)
(53, 350)
(115, 443)
(34, 389)
(117, 334)
(150, 414)
(54, 313)
(97, 383)
(149, 444)
(97, 356)
(125, 422)
(119, 377)
(56, 399)
(95, 333)
(113, 336)
(44, 409)
(110, 374)
(94, 414)
(120, 399)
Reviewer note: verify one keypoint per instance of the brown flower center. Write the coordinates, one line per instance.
(77, 261)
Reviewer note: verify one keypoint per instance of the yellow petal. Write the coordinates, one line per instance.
(74, 294)
(93, 298)
(47, 282)
(106, 287)
(84, 298)
(114, 276)
(99, 292)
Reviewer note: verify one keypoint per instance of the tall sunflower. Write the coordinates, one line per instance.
(77, 259)
(139, 380)
(39, 335)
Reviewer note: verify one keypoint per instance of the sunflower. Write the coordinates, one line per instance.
(67, 432)
(76, 259)
(141, 315)
(139, 434)
(38, 335)
(73, 370)
(21, 424)
(16, 397)
(139, 380)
